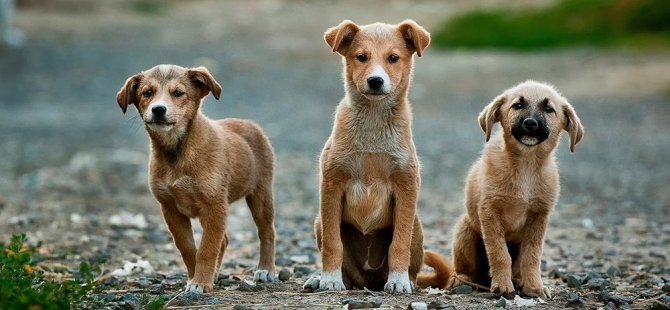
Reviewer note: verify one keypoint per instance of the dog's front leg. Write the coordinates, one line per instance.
(405, 193)
(531, 255)
(330, 213)
(179, 226)
(213, 222)
(500, 261)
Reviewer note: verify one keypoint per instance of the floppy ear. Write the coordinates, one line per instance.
(490, 116)
(128, 93)
(573, 125)
(201, 77)
(416, 37)
(339, 37)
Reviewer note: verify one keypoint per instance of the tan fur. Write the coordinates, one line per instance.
(510, 192)
(199, 166)
(367, 224)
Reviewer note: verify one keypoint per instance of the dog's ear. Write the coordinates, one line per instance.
(201, 77)
(416, 37)
(572, 125)
(339, 38)
(128, 93)
(490, 115)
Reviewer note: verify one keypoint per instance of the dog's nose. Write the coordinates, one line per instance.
(159, 110)
(375, 82)
(530, 124)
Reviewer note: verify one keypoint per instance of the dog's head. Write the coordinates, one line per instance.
(378, 57)
(532, 114)
(167, 96)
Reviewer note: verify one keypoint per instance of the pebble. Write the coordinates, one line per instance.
(666, 288)
(213, 300)
(284, 274)
(599, 284)
(417, 305)
(613, 271)
(657, 305)
(188, 299)
(368, 302)
(130, 302)
(610, 306)
(246, 287)
(439, 304)
(620, 300)
(462, 289)
(574, 280)
(156, 289)
(501, 303)
(575, 304)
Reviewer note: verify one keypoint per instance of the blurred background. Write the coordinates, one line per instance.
(73, 168)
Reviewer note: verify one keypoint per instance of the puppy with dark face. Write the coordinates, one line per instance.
(199, 166)
(511, 190)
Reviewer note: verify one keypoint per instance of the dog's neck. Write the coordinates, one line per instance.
(170, 146)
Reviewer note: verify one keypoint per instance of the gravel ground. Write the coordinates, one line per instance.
(73, 168)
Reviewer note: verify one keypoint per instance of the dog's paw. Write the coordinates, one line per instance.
(262, 275)
(398, 282)
(503, 288)
(312, 283)
(195, 288)
(331, 281)
(540, 291)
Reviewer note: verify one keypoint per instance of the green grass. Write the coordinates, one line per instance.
(636, 23)
(23, 286)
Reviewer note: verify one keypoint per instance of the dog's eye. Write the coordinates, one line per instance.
(548, 109)
(517, 106)
(394, 58)
(178, 93)
(362, 57)
(148, 93)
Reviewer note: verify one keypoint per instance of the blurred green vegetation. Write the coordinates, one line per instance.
(634, 23)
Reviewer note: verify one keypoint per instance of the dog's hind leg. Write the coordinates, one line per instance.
(467, 262)
(261, 204)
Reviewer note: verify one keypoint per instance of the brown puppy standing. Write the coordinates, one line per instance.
(367, 230)
(199, 166)
(512, 189)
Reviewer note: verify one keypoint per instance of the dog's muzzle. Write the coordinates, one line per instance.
(530, 131)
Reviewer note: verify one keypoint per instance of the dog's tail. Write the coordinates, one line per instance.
(439, 278)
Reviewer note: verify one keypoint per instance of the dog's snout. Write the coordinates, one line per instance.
(375, 82)
(530, 124)
(159, 110)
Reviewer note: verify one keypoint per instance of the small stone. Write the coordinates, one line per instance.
(657, 305)
(188, 299)
(598, 284)
(156, 289)
(284, 274)
(368, 302)
(620, 300)
(131, 302)
(613, 271)
(486, 295)
(575, 304)
(502, 303)
(438, 304)
(666, 288)
(213, 300)
(610, 306)
(417, 305)
(462, 289)
(246, 287)
(574, 280)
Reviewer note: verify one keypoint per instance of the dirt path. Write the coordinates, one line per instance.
(71, 161)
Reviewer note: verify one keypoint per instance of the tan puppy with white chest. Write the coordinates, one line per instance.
(199, 166)
(367, 230)
(512, 188)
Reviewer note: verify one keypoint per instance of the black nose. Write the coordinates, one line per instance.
(159, 110)
(530, 124)
(375, 82)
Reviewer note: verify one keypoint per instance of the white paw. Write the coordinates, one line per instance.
(331, 281)
(312, 283)
(262, 275)
(398, 282)
(194, 288)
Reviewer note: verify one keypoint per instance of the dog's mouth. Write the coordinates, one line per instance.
(374, 95)
(530, 138)
(160, 124)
